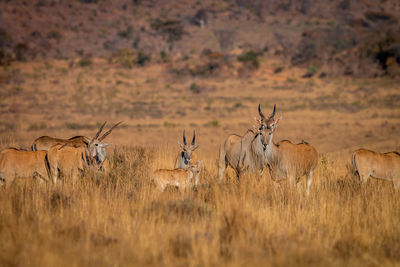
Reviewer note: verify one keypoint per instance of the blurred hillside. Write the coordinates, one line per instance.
(197, 38)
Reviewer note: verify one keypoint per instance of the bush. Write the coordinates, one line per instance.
(250, 57)
(127, 33)
(20, 51)
(213, 123)
(164, 56)
(194, 88)
(37, 126)
(172, 30)
(5, 38)
(84, 62)
(54, 34)
(380, 16)
(141, 58)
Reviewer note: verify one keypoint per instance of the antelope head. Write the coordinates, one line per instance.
(96, 148)
(271, 125)
(187, 150)
(195, 171)
(265, 127)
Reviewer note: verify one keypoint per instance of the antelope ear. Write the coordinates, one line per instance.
(195, 147)
(277, 122)
(104, 145)
(180, 144)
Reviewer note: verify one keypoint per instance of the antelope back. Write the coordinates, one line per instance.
(46, 142)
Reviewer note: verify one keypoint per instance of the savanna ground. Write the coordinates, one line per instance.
(119, 219)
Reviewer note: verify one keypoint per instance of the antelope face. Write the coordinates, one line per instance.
(98, 151)
(265, 126)
(187, 150)
(195, 170)
(96, 148)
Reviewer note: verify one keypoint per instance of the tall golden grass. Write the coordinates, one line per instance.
(120, 219)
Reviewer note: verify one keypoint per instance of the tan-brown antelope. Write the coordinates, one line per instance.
(378, 165)
(46, 142)
(67, 160)
(286, 160)
(71, 158)
(244, 153)
(187, 154)
(180, 178)
(16, 163)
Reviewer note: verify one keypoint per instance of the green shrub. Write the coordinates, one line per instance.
(164, 56)
(250, 57)
(54, 34)
(213, 123)
(37, 126)
(141, 58)
(194, 88)
(84, 62)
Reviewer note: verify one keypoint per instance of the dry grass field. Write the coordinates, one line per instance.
(119, 219)
(332, 67)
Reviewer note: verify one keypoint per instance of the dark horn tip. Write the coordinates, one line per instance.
(194, 137)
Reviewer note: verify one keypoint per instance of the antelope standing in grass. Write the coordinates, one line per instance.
(244, 153)
(180, 178)
(46, 142)
(378, 165)
(16, 163)
(187, 154)
(286, 160)
(68, 160)
(71, 158)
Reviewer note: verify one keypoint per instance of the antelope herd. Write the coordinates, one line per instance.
(52, 158)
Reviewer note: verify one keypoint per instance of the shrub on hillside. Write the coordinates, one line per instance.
(84, 62)
(127, 58)
(171, 30)
(250, 57)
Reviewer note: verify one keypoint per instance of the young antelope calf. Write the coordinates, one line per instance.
(180, 178)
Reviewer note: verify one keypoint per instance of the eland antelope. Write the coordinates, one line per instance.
(245, 152)
(384, 166)
(70, 158)
(180, 178)
(187, 154)
(16, 163)
(46, 142)
(286, 160)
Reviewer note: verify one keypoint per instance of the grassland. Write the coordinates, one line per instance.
(119, 219)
